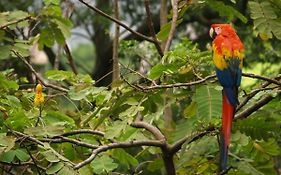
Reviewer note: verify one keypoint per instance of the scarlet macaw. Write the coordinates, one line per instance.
(228, 54)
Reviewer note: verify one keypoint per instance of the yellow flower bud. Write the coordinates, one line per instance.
(39, 97)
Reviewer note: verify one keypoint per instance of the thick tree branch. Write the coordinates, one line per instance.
(152, 129)
(151, 28)
(116, 69)
(104, 148)
(255, 107)
(173, 25)
(37, 75)
(116, 21)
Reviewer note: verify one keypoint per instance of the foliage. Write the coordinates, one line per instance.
(121, 127)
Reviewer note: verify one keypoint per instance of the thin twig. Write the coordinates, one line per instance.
(61, 139)
(178, 84)
(82, 131)
(173, 25)
(70, 59)
(15, 22)
(116, 21)
(103, 148)
(177, 145)
(249, 75)
(37, 75)
(151, 28)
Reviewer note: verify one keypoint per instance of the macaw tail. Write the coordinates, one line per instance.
(227, 117)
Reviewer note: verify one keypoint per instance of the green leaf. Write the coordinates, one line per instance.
(226, 10)
(53, 117)
(8, 156)
(7, 84)
(6, 142)
(259, 126)
(59, 75)
(165, 29)
(266, 21)
(115, 130)
(160, 69)
(54, 168)
(248, 168)
(79, 92)
(21, 155)
(5, 52)
(124, 157)
(66, 171)
(103, 164)
(64, 25)
(50, 156)
(209, 102)
(46, 39)
(48, 2)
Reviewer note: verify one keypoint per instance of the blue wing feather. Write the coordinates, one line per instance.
(230, 79)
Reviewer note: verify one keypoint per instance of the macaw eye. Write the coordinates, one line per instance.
(217, 30)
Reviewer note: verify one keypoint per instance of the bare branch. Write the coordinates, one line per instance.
(155, 131)
(177, 146)
(103, 148)
(61, 139)
(15, 22)
(151, 28)
(82, 131)
(70, 59)
(177, 84)
(117, 21)
(173, 25)
(116, 69)
(37, 75)
(255, 107)
(262, 78)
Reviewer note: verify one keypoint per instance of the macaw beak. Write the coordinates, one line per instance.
(212, 33)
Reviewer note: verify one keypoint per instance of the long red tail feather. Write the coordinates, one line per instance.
(227, 117)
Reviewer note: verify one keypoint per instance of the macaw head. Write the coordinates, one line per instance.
(222, 29)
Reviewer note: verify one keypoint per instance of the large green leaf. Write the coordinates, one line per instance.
(124, 157)
(226, 10)
(103, 165)
(209, 103)
(266, 21)
(259, 126)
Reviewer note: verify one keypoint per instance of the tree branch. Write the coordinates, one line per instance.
(70, 59)
(173, 25)
(177, 84)
(116, 69)
(274, 81)
(177, 145)
(15, 22)
(255, 107)
(37, 75)
(61, 139)
(155, 143)
(151, 28)
(152, 129)
(116, 21)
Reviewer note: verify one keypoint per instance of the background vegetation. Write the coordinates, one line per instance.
(129, 87)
